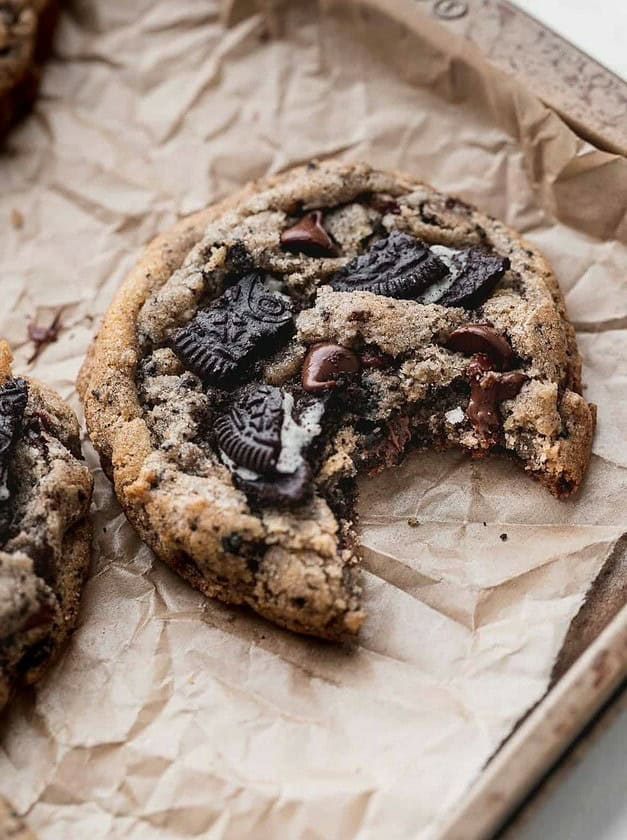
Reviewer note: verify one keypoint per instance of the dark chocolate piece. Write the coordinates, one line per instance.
(487, 389)
(399, 266)
(325, 364)
(481, 338)
(509, 385)
(477, 279)
(243, 324)
(309, 237)
(384, 203)
(375, 359)
(249, 432)
(280, 490)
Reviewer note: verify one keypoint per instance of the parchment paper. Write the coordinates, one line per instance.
(169, 716)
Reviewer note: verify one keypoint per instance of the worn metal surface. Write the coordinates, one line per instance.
(588, 96)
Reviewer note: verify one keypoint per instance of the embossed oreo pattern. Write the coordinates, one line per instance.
(249, 432)
(242, 325)
(399, 266)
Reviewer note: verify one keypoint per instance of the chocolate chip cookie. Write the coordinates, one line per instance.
(26, 28)
(11, 826)
(316, 326)
(45, 491)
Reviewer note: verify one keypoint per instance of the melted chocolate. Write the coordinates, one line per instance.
(325, 363)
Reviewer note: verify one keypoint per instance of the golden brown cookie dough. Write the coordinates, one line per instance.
(162, 412)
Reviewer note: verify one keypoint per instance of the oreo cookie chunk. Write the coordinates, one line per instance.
(265, 445)
(13, 398)
(247, 486)
(472, 276)
(401, 266)
(240, 327)
(45, 493)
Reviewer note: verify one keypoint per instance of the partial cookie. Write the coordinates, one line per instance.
(26, 28)
(45, 492)
(11, 826)
(317, 325)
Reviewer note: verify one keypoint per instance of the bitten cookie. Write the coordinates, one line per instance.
(26, 28)
(316, 325)
(45, 492)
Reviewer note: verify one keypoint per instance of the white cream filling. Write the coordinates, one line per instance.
(242, 472)
(455, 262)
(294, 438)
(455, 416)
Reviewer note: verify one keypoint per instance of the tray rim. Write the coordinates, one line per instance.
(543, 736)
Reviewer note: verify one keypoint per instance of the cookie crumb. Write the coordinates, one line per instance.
(502, 537)
(413, 522)
(17, 219)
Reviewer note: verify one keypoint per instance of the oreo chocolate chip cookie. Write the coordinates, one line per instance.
(26, 28)
(45, 492)
(293, 349)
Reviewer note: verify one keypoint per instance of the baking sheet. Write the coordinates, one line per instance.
(173, 717)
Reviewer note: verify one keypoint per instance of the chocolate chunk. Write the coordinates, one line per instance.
(281, 490)
(309, 237)
(478, 365)
(509, 385)
(232, 543)
(399, 266)
(221, 341)
(487, 389)
(383, 203)
(249, 433)
(480, 271)
(41, 618)
(386, 444)
(481, 338)
(375, 359)
(13, 398)
(325, 364)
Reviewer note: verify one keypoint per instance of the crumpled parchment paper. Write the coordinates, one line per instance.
(170, 716)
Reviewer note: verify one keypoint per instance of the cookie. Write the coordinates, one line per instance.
(11, 826)
(26, 28)
(45, 492)
(406, 317)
